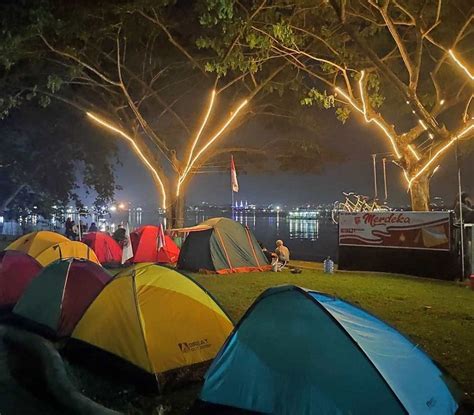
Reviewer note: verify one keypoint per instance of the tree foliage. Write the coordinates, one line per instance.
(148, 68)
(44, 161)
(386, 59)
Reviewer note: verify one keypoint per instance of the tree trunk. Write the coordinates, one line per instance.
(175, 213)
(420, 194)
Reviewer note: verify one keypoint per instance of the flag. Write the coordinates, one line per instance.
(161, 239)
(127, 250)
(233, 176)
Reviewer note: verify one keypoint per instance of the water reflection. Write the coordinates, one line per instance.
(307, 238)
(304, 229)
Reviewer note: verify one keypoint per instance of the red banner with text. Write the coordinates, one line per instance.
(406, 230)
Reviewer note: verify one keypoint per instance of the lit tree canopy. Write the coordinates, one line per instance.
(401, 66)
(144, 71)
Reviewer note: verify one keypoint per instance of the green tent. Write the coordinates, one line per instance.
(223, 246)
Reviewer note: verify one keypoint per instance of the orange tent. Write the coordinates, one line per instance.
(145, 244)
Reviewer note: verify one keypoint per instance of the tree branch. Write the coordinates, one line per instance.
(171, 39)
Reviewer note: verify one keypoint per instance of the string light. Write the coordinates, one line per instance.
(442, 102)
(406, 177)
(135, 148)
(196, 139)
(439, 152)
(413, 151)
(460, 64)
(364, 112)
(431, 136)
(205, 147)
(423, 124)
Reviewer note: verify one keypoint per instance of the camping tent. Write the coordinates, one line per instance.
(155, 318)
(145, 243)
(17, 269)
(303, 352)
(47, 247)
(106, 249)
(63, 250)
(221, 245)
(58, 297)
(36, 242)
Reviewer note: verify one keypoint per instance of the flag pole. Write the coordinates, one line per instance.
(375, 175)
(232, 202)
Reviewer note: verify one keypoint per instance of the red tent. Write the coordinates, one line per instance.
(145, 243)
(107, 250)
(17, 269)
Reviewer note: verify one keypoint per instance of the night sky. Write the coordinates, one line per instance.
(355, 140)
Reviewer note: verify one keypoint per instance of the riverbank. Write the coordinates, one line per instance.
(438, 316)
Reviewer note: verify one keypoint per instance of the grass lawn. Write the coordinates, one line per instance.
(437, 315)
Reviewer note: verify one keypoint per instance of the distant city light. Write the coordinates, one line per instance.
(121, 205)
(113, 208)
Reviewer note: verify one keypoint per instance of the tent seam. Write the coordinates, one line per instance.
(134, 288)
(307, 295)
(253, 248)
(225, 250)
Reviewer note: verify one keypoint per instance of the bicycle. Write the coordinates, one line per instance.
(356, 203)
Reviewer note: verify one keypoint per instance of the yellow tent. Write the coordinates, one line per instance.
(155, 318)
(67, 249)
(36, 242)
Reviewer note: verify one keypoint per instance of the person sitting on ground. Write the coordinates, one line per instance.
(266, 252)
(93, 227)
(282, 254)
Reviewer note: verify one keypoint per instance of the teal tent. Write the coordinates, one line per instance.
(223, 246)
(303, 352)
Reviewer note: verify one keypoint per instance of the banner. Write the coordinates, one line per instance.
(405, 230)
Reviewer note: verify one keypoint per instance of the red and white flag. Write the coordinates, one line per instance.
(127, 250)
(233, 176)
(161, 239)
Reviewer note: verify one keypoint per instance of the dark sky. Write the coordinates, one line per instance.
(357, 141)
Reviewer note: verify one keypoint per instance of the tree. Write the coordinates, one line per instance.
(139, 70)
(43, 159)
(401, 65)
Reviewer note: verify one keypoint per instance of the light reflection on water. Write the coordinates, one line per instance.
(309, 239)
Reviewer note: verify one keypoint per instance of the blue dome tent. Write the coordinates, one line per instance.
(302, 352)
